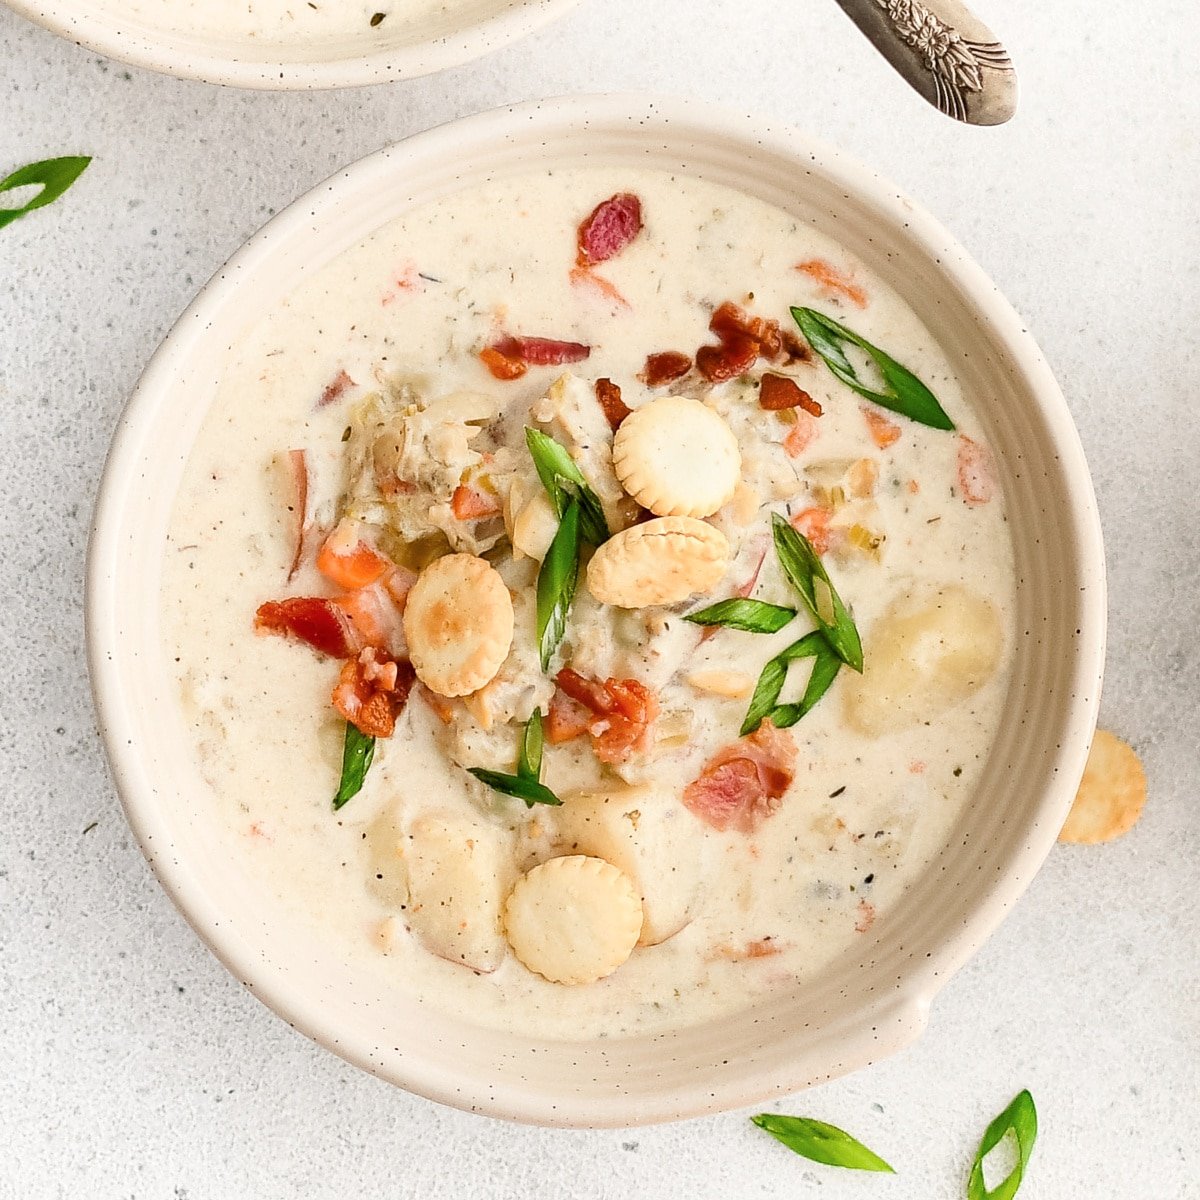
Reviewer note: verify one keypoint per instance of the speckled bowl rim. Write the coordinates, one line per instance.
(882, 1026)
(184, 61)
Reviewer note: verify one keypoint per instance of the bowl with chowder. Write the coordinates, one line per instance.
(281, 45)
(597, 611)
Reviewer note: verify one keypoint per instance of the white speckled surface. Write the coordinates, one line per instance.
(134, 1066)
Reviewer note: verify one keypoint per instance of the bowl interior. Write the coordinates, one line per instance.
(866, 1004)
(399, 49)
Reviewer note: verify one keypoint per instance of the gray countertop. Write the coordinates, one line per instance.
(134, 1066)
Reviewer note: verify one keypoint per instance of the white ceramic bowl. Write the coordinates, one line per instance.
(378, 56)
(869, 1003)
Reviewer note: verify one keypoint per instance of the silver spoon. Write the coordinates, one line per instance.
(945, 52)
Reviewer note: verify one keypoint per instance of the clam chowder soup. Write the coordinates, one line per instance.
(591, 600)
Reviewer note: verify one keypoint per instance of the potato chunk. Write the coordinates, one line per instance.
(648, 835)
(921, 659)
(459, 872)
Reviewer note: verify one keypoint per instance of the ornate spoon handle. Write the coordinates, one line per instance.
(945, 52)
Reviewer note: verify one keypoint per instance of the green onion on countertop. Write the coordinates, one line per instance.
(821, 1143)
(54, 176)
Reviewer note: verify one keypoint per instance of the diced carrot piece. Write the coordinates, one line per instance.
(883, 432)
(468, 504)
(833, 280)
(501, 366)
(349, 561)
(814, 524)
(801, 434)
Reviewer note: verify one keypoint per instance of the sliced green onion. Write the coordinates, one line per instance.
(357, 753)
(770, 683)
(529, 762)
(54, 175)
(556, 583)
(564, 482)
(528, 790)
(809, 577)
(1021, 1118)
(905, 393)
(819, 1142)
(753, 616)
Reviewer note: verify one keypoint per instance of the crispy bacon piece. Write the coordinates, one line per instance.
(974, 471)
(866, 916)
(744, 783)
(297, 462)
(801, 434)
(664, 367)
(733, 357)
(814, 524)
(777, 392)
(729, 321)
(372, 690)
(744, 339)
(501, 366)
(540, 352)
(336, 389)
(612, 225)
(468, 504)
(608, 395)
(832, 281)
(883, 432)
(622, 711)
(318, 622)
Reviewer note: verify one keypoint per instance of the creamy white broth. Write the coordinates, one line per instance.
(417, 300)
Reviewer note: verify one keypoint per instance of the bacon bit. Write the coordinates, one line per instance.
(467, 504)
(801, 434)
(916, 768)
(913, 486)
(866, 916)
(336, 389)
(317, 622)
(500, 366)
(372, 690)
(833, 281)
(566, 719)
(257, 831)
(746, 588)
(883, 432)
(974, 471)
(730, 321)
(298, 472)
(609, 290)
(608, 395)
(664, 367)
(777, 392)
(612, 225)
(743, 340)
(623, 711)
(745, 782)
(541, 352)
(814, 524)
(441, 707)
(348, 560)
(733, 357)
